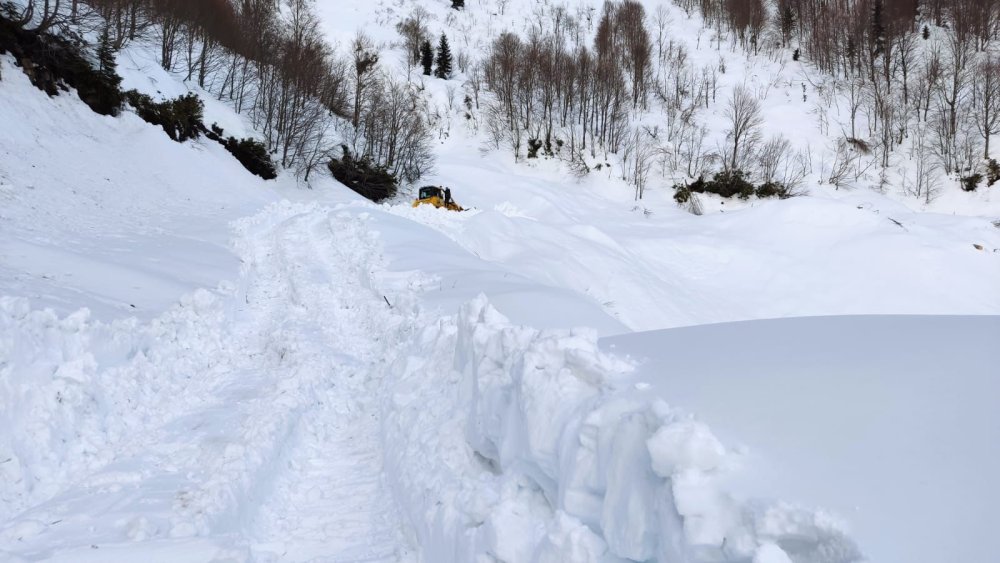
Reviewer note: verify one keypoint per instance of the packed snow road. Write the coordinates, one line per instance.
(244, 425)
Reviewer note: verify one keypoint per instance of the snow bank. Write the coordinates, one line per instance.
(108, 213)
(71, 389)
(542, 454)
(890, 421)
(171, 438)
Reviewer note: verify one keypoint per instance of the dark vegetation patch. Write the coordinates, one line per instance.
(251, 153)
(363, 176)
(730, 184)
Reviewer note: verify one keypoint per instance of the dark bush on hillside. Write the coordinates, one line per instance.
(728, 184)
(772, 189)
(181, 118)
(253, 156)
(971, 182)
(992, 172)
(55, 64)
(367, 179)
(682, 193)
(533, 146)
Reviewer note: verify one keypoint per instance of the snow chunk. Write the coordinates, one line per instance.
(682, 446)
(771, 553)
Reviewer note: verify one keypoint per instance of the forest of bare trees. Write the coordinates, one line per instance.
(551, 92)
(269, 60)
(917, 77)
(920, 75)
(909, 80)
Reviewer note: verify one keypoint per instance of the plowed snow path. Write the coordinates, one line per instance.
(251, 429)
(331, 503)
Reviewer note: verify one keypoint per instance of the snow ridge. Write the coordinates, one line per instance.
(544, 457)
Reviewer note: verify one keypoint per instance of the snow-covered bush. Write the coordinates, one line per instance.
(181, 118)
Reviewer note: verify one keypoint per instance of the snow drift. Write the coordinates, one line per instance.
(544, 454)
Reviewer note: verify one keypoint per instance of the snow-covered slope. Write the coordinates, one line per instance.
(655, 266)
(191, 369)
(109, 213)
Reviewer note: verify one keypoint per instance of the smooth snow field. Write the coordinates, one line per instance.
(889, 421)
(197, 365)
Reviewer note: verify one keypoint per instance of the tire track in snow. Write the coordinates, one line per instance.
(330, 504)
(279, 458)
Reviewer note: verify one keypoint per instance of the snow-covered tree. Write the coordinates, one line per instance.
(443, 61)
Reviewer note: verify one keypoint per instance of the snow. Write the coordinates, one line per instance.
(210, 421)
(886, 420)
(546, 422)
(109, 213)
(199, 365)
(657, 266)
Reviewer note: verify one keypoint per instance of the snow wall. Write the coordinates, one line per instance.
(517, 444)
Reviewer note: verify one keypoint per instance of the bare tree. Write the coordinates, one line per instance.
(365, 61)
(414, 31)
(40, 16)
(986, 100)
(744, 115)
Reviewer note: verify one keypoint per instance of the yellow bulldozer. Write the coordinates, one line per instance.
(438, 197)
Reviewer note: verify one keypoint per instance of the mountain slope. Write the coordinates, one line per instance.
(198, 365)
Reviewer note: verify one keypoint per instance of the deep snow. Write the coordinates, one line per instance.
(389, 383)
(888, 421)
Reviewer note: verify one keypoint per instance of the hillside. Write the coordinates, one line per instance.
(198, 364)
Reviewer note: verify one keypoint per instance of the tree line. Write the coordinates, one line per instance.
(269, 60)
(549, 91)
(910, 80)
(918, 76)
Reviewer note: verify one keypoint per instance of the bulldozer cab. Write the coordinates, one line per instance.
(428, 192)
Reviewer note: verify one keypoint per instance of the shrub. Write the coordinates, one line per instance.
(682, 193)
(773, 189)
(728, 184)
(992, 172)
(188, 112)
(364, 177)
(181, 118)
(253, 156)
(533, 146)
(971, 182)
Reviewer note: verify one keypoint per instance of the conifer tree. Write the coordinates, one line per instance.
(106, 96)
(458, 4)
(443, 61)
(427, 57)
(107, 67)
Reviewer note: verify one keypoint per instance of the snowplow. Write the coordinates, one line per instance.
(436, 196)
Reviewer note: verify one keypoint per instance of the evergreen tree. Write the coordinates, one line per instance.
(107, 67)
(443, 61)
(427, 57)
(105, 94)
(458, 4)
